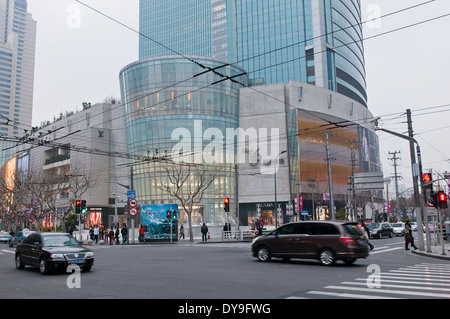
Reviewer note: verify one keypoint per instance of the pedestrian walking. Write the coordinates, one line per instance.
(141, 233)
(124, 233)
(117, 235)
(409, 238)
(111, 236)
(181, 232)
(225, 231)
(91, 233)
(96, 234)
(364, 226)
(204, 231)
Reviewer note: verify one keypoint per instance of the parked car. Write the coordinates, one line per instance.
(398, 228)
(19, 237)
(378, 230)
(52, 251)
(4, 236)
(414, 226)
(326, 241)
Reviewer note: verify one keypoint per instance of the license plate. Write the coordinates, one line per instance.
(361, 242)
(76, 261)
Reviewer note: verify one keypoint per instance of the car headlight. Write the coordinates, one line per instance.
(56, 256)
(89, 254)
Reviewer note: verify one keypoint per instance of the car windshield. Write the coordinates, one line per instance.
(373, 226)
(59, 240)
(397, 225)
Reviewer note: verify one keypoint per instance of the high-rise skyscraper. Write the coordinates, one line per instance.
(17, 58)
(275, 41)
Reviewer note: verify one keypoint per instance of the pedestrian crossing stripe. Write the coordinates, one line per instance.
(8, 251)
(420, 281)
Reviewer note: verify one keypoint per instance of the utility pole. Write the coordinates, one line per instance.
(353, 148)
(396, 177)
(330, 181)
(422, 186)
(415, 174)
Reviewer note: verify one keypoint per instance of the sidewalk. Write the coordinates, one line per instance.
(197, 240)
(436, 251)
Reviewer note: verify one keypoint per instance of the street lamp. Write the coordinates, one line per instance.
(275, 182)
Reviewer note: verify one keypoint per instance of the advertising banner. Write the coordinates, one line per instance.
(157, 220)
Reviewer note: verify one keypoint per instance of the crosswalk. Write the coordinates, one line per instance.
(3, 251)
(425, 280)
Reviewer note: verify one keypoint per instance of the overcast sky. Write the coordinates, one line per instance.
(79, 54)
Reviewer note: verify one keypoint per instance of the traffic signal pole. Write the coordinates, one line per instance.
(416, 194)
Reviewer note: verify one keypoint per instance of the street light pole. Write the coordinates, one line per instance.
(419, 216)
(275, 182)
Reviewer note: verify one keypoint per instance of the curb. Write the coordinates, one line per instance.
(435, 255)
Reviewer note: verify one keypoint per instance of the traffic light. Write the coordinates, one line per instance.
(77, 206)
(83, 208)
(226, 201)
(168, 215)
(427, 183)
(174, 215)
(427, 180)
(441, 200)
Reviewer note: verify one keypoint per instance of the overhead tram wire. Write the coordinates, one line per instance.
(391, 31)
(227, 64)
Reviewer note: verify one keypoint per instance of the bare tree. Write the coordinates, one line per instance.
(187, 183)
(79, 182)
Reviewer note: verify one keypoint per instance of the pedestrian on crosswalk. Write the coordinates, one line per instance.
(409, 239)
(368, 234)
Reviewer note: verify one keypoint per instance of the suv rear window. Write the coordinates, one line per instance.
(353, 229)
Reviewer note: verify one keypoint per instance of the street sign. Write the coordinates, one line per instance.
(31, 219)
(132, 202)
(133, 211)
(131, 194)
(368, 181)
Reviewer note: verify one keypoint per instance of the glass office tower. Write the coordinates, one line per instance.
(275, 41)
(313, 41)
(17, 54)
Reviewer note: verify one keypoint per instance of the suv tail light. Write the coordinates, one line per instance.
(348, 240)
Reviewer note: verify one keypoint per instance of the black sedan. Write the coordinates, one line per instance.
(53, 251)
(378, 230)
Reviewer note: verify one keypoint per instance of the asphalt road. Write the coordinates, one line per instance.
(226, 271)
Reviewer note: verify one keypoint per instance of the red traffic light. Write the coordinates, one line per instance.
(426, 177)
(226, 200)
(78, 203)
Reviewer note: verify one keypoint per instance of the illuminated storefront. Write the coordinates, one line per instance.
(303, 114)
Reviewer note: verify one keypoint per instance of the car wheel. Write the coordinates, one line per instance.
(390, 234)
(263, 253)
(379, 235)
(19, 264)
(327, 257)
(43, 269)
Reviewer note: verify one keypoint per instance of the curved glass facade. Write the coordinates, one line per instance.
(344, 30)
(313, 41)
(170, 94)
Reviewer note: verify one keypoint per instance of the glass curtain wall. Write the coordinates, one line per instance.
(166, 95)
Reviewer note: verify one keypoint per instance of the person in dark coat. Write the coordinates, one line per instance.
(204, 231)
(111, 236)
(409, 238)
(124, 233)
